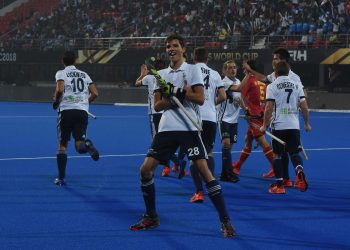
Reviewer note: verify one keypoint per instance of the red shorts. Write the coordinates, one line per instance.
(255, 131)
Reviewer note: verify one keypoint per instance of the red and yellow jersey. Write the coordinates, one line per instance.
(254, 93)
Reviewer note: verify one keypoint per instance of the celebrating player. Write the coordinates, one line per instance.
(185, 82)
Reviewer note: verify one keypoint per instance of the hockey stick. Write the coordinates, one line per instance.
(91, 115)
(163, 83)
(266, 132)
(303, 151)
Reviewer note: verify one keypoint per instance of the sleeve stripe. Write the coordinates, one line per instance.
(270, 99)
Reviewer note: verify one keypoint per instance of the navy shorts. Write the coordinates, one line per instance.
(292, 139)
(165, 144)
(208, 134)
(72, 122)
(228, 130)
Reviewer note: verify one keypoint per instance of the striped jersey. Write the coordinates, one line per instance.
(286, 94)
(229, 112)
(76, 88)
(175, 119)
(212, 82)
(150, 81)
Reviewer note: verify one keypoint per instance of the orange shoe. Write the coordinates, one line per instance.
(175, 168)
(166, 171)
(235, 168)
(197, 197)
(300, 181)
(287, 183)
(274, 189)
(269, 174)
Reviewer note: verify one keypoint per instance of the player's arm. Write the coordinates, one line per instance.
(58, 94)
(267, 114)
(259, 76)
(221, 96)
(195, 93)
(143, 73)
(305, 112)
(93, 92)
(239, 87)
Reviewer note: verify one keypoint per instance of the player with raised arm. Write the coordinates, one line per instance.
(74, 92)
(184, 81)
(253, 94)
(280, 54)
(227, 119)
(146, 79)
(214, 94)
(284, 97)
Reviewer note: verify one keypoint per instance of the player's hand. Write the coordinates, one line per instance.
(263, 128)
(170, 90)
(55, 104)
(246, 113)
(246, 67)
(307, 127)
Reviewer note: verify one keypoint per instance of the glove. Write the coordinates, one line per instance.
(229, 96)
(170, 90)
(55, 104)
(246, 113)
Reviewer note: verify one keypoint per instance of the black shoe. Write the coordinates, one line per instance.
(60, 182)
(146, 222)
(229, 177)
(182, 171)
(227, 229)
(92, 150)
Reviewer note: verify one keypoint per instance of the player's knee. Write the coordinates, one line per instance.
(62, 151)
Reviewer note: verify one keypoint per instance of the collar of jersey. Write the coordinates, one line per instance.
(71, 67)
(182, 68)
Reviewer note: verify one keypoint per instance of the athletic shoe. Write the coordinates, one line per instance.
(235, 168)
(287, 183)
(300, 181)
(227, 229)
(229, 177)
(269, 174)
(197, 197)
(183, 172)
(166, 171)
(146, 222)
(92, 150)
(275, 189)
(60, 182)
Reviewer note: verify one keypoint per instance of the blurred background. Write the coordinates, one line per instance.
(112, 38)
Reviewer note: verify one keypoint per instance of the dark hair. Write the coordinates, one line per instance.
(159, 64)
(283, 53)
(200, 54)
(252, 65)
(68, 58)
(282, 68)
(176, 37)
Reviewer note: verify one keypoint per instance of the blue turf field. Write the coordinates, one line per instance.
(103, 198)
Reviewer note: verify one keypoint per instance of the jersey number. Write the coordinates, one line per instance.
(289, 93)
(78, 84)
(206, 82)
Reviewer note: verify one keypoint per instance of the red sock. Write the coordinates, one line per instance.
(243, 156)
(269, 154)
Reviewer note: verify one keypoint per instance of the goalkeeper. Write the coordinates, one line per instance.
(176, 129)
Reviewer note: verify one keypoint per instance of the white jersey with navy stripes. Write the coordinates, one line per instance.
(286, 93)
(150, 81)
(229, 112)
(76, 88)
(175, 119)
(212, 82)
